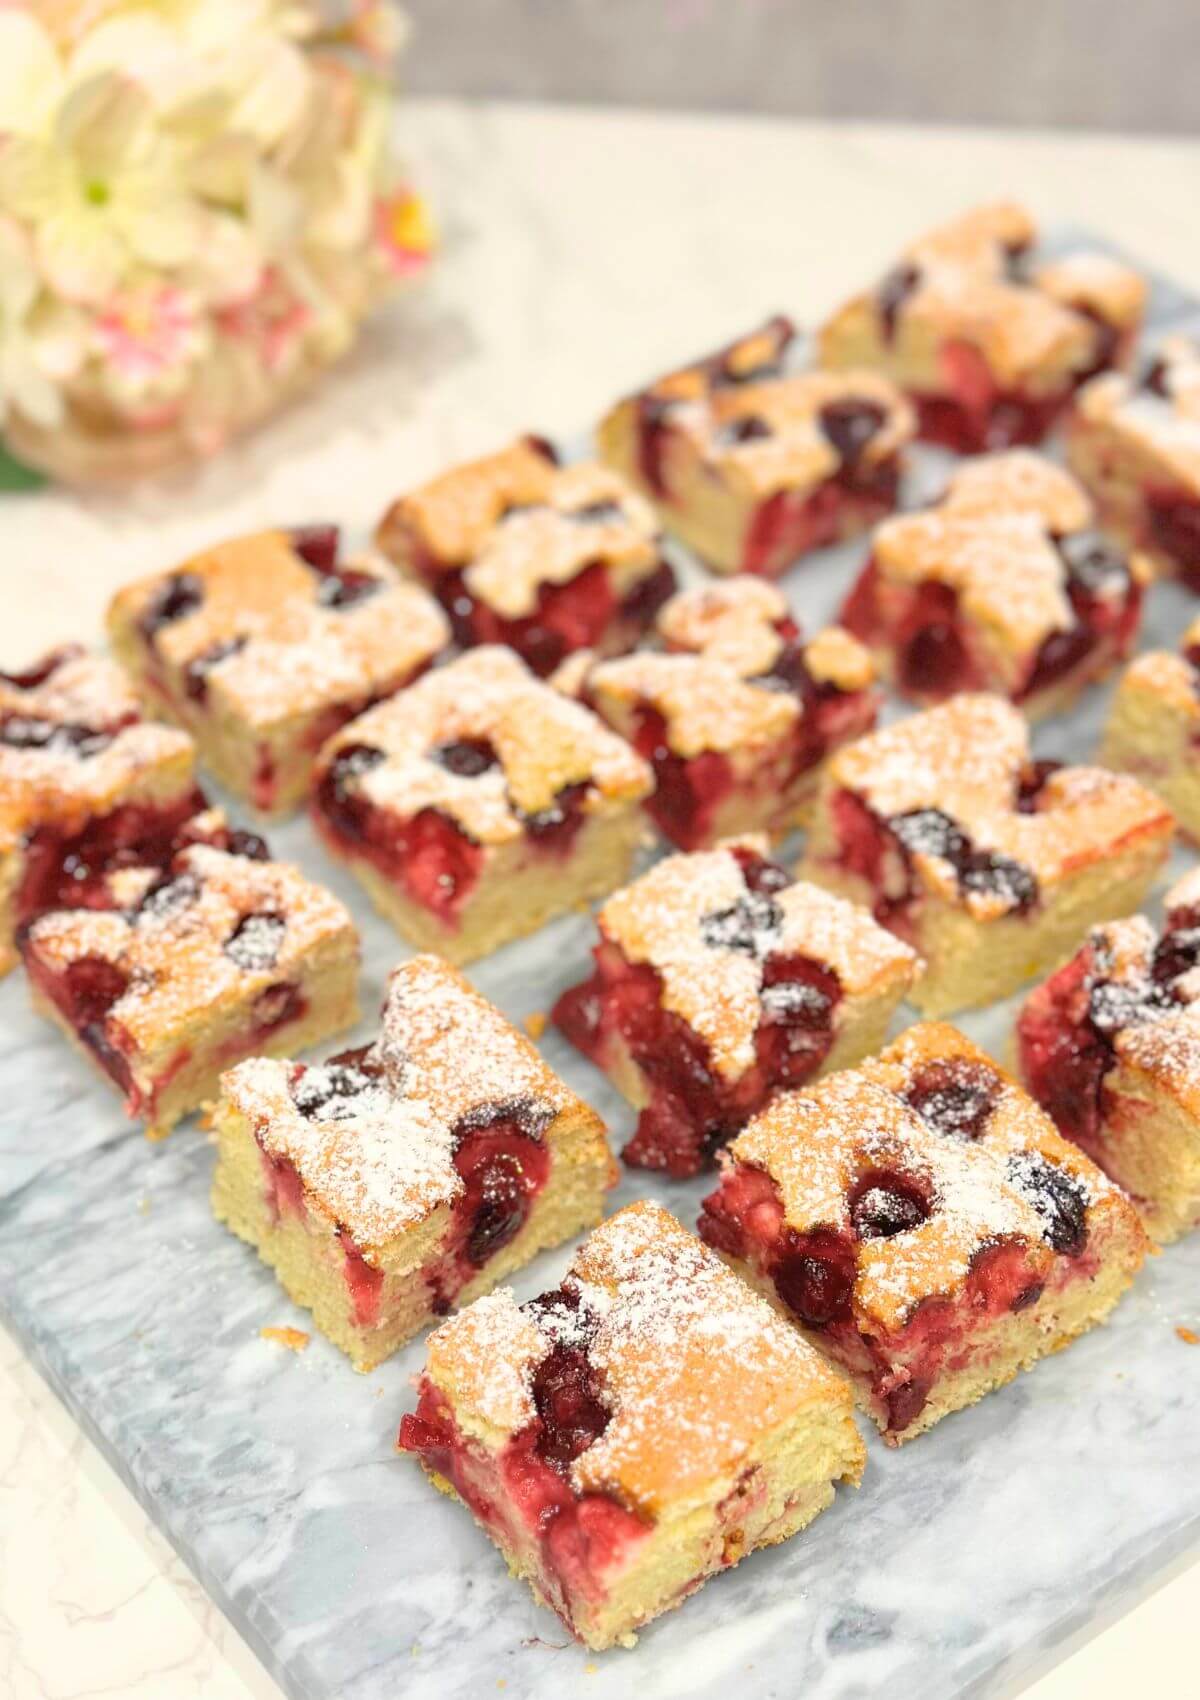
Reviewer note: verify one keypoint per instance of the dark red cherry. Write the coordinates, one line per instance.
(1057, 1197)
(599, 513)
(169, 893)
(815, 1277)
(179, 596)
(468, 758)
(749, 428)
(567, 1396)
(1032, 782)
(955, 1095)
(750, 925)
(93, 986)
(317, 545)
(850, 424)
(761, 876)
(1093, 563)
(328, 1090)
(248, 844)
(884, 1203)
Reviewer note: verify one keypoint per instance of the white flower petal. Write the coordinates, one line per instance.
(31, 74)
(273, 86)
(106, 122)
(24, 387)
(82, 254)
(141, 47)
(161, 226)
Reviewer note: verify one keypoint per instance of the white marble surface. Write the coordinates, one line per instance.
(584, 251)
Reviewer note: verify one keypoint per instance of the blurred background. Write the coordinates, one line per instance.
(1097, 64)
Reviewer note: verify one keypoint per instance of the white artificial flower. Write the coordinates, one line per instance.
(25, 384)
(101, 192)
(31, 74)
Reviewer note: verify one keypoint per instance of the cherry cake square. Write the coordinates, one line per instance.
(1135, 442)
(924, 1224)
(396, 1181)
(479, 804)
(990, 864)
(753, 468)
(262, 647)
(739, 712)
(1110, 1047)
(635, 1430)
(173, 973)
(717, 982)
(85, 784)
(1153, 727)
(547, 559)
(989, 346)
(1003, 586)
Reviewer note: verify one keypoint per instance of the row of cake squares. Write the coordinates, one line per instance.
(910, 1233)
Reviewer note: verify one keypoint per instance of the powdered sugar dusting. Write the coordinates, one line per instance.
(704, 702)
(734, 620)
(543, 743)
(1019, 481)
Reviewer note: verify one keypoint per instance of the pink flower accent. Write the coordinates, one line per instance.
(274, 320)
(147, 333)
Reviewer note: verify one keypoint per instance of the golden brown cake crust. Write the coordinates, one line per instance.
(1019, 481)
(543, 743)
(63, 780)
(170, 942)
(292, 653)
(695, 1365)
(818, 1144)
(382, 1159)
(665, 919)
(965, 758)
(1164, 426)
(514, 521)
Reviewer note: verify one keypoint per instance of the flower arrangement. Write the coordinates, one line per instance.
(198, 208)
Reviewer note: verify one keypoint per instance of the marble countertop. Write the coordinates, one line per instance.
(584, 250)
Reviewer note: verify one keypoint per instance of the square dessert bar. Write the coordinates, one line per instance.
(395, 1181)
(85, 783)
(629, 1434)
(990, 864)
(922, 1222)
(989, 347)
(262, 647)
(737, 718)
(1135, 442)
(480, 803)
(752, 468)
(718, 982)
(1153, 728)
(1002, 586)
(1110, 1048)
(547, 559)
(173, 974)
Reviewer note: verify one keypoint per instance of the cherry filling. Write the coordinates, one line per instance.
(430, 856)
(42, 670)
(688, 791)
(583, 613)
(898, 285)
(195, 674)
(581, 1537)
(955, 1096)
(503, 1166)
(1173, 522)
(84, 993)
(931, 656)
(974, 413)
(693, 1110)
(883, 1204)
(1106, 604)
(1066, 1031)
(881, 852)
(337, 587)
(791, 523)
(1057, 1197)
(66, 870)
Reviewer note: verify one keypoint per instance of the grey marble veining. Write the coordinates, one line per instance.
(961, 1560)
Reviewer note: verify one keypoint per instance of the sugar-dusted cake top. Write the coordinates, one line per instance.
(964, 768)
(1019, 481)
(1158, 412)
(485, 742)
(922, 1159)
(1004, 569)
(968, 282)
(693, 1367)
(705, 704)
(215, 927)
(274, 625)
(73, 742)
(516, 520)
(707, 922)
(754, 357)
(372, 1136)
(742, 620)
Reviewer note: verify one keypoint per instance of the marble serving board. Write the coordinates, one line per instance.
(963, 1562)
